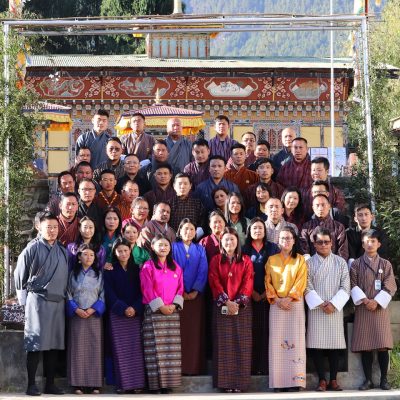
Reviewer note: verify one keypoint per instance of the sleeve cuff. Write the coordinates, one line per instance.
(242, 300)
(22, 294)
(100, 307)
(156, 304)
(178, 301)
(313, 300)
(383, 298)
(340, 299)
(351, 260)
(71, 308)
(307, 257)
(357, 295)
(222, 299)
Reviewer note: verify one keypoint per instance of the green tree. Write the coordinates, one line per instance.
(384, 39)
(18, 129)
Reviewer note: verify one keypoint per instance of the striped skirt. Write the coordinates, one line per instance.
(127, 352)
(85, 352)
(232, 349)
(193, 336)
(260, 338)
(287, 346)
(162, 349)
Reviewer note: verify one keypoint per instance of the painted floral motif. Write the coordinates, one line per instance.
(286, 346)
(266, 91)
(63, 87)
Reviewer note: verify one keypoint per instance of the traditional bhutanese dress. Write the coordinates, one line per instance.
(161, 333)
(287, 347)
(193, 261)
(85, 338)
(260, 308)
(232, 333)
(122, 290)
(328, 280)
(372, 328)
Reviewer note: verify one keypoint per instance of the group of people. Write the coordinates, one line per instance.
(152, 252)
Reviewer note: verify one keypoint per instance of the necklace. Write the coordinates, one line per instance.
(106, 200)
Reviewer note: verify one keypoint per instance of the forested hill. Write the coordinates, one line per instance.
(293, 44)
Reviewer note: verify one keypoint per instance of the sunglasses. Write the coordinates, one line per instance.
(322, 242)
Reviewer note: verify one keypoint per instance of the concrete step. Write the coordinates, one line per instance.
(351, 395)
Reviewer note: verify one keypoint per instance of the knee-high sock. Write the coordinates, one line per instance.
(32, 362)
(366, 359)
(49, 365)
(383, 359)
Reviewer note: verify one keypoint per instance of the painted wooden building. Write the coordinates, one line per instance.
(258, 94)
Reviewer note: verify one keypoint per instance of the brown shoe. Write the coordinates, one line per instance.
(333, 385)
(321, 386)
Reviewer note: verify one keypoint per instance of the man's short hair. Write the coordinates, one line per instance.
(182, 175)
(63, 173)
(320, 182)
(138, 114)
(238, 146)
(87, 180)
(372, 234)
(67, 195)
(129, 181)
(300, 139)
(47, 216)
(159, 203)
(217, 157)
(321, 160)
(164, 165)
(249, 133)
(132, 155)
(160, 141)
(114, 139)
(263, 142)
(82, 148)
(222, 118)
(322, 232)
(107, 171)
(362, 206)
(321, 195)
(200, 142)
(264, 160)
(83, 164)
(102, 112)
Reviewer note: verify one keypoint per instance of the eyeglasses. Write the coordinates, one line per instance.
(286, 239)
(142, 208)
(322, 242)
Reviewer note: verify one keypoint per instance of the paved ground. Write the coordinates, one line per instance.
(348, 394)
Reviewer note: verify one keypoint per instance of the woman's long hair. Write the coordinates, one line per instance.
(296, 245)
(170, 261)
(238, 252)
(95, 241)
(77, 268)
(298, 212)
(116, 211)
(242, 218)
(178, 232)
(119, 242)
(249, 239)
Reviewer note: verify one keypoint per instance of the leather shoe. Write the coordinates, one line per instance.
(385, 384)
(321, 386)
(333, 385)
(53, 389)
(367, 385)
(33, 391)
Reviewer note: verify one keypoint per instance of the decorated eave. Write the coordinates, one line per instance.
(121, 84)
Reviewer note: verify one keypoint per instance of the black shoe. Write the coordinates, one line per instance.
(385, 384)
(367, 385)
(33, 391)
(53, 389)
